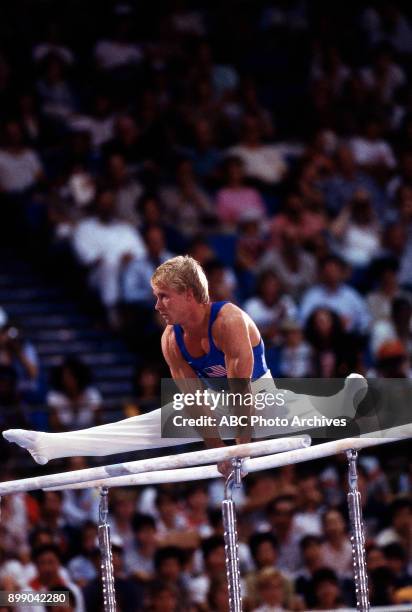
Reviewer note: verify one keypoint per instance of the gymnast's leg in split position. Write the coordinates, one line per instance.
(144, 431)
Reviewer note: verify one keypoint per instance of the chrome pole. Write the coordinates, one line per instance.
(231, 538)
(358, 535)
(106, 564)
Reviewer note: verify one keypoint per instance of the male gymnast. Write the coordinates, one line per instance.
(201, 340)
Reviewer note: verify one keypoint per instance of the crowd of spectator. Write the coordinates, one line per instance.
(272, 141)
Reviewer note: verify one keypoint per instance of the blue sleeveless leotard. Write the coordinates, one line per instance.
(212, 364)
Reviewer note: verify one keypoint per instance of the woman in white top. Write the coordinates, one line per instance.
(73, 402)
(357, 231)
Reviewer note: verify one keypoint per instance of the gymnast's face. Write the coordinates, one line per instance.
(172, 306)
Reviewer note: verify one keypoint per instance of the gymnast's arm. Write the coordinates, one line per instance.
(232, 335)
(188, 382)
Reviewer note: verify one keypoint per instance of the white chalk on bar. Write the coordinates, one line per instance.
(211, 455)
(249, 465)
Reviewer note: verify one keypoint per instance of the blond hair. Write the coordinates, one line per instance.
(182, 273)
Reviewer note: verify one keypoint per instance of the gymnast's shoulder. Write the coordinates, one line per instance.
(231, 318)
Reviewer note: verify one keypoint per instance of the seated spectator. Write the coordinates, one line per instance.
(295, 267)
(328, 65)
(122, 514)
(250, 105)
(195, 510)
(103, 243)
(70, 603)
(250, 246)
(169, 565)
(374, 557)
(398, 327)
(311, 550)
(222, 281)
(384, 77)
(281, 520)
(401, 211)
(170, 519)
(79, 505)
(296, 353)
(296, 216)
(73, 402)
(213, 550)
(138, 319)
(404, 178)
(47, 560)
(130, 593)
(397, 559)
(164, 598)
(119, 50)
(57, 99)
(387, 24)
(218, 595)
(357, 232)
(371, 151)
(380, 300)
(125, 188)
(15, 527)
(82, 567)
(394, 239)
(235, 198)
(204, 154)
(264, 550)
(392, 360)
(310, 505)
(274, 591)
(20, 166)
(382, 586)
(339, 188)
(328, 595)
(200, 103)
(19, 354)
(126, 142)
(263, 162)
(99, 122)
(139, 560)
(377, 487)
(76, 193)
(314, 211)
(52, 43)
(54, 528)
(139, 270)
(34, 127)
(147, 381)
(332, 292)
(186, 203)
(399, 530)
(223, 77)
(336, 549)
(271, 306)
(151, 211)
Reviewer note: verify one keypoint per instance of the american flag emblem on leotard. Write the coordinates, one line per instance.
(216, 370)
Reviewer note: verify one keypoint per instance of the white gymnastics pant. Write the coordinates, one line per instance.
(144, 431)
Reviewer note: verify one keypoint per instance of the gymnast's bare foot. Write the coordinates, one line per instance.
(26, 439)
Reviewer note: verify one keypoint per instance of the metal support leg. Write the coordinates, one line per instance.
(358, 535)
(109, 594)
(231, 538)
